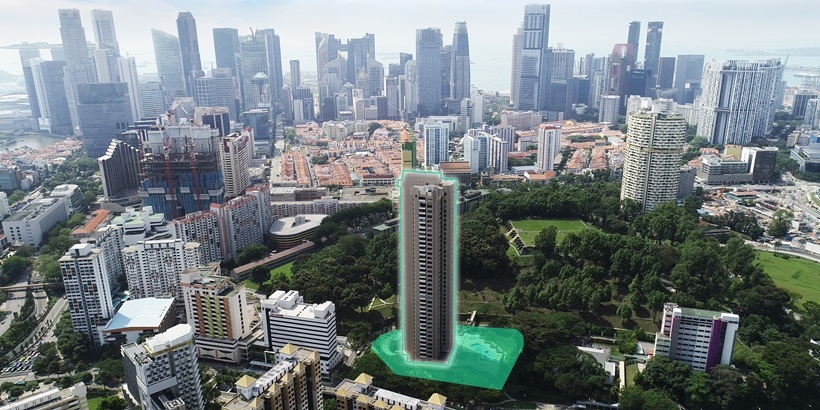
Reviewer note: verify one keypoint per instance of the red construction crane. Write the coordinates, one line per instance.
(170, 187)
(189, 146)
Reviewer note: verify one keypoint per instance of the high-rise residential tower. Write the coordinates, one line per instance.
(515, 81)
(699, 338)
(652, 158)
(235, 152)
(652, 55)
(428, 71)
(428, 238)
(634, 35)
(738, 100)
(169, 64)
(162, 372)
(226, 45)
(549, 145)
(119, 170)
(460, 67)
(533, 87)
(189, 48)
(436, 143)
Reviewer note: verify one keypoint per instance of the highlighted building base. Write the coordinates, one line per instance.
(483, 357)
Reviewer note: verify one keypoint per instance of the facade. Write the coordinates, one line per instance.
(460, 66)
(139, 317)
(70, 398)
(476, 151)
(497, 159)
(72, 194)
(436, 143)
(427, 268)
(287, 319)
(293, 383)
(738, 100)
(103, 112)
(428, 71)
(515, 81)
(801, 100)
(652, 55)
(169, 65)
(28, 224)
(634, 36)
(235, 152)
(218, 90)
(688, 76)
(549, 146)
(219, 312)
(162, 372)
(50, 91)
(152, 99)
(201, 227)
(78, 66)
(88, 287)
(226, 45)
(699, 338)
(666, 72)
(361, 394)
(533, 86)
(119, 170)
(521, 120)
(153, 267)
(290, 232)
(189, 48)
(610, 106)
(652, 158)
(243, 220)
(127, 67)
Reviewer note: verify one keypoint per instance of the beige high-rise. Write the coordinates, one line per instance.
(428, 212)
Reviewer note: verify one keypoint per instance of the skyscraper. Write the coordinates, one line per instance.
(295, 75)
(79, 68)
(50, 89)
(688, 75)
(549, 145)
(119, 170)
(327, 50)
(152, 99)
(634, 35)
(652, 158)
(533, 88)
(274, 55)
(169, 64)
(217, 90)
(153, 267)
(497, 159)
(252, 60)
(699, 338)
(562, 64)
(739, 99)
(243, 220)
(436, 143)
(460, 67)
(428, 238)
(428, 71)
(226, 45)
(235, 152)
(358, 51)
(620, 63)
(162, 372)
(26, 54)
(515, 81)
(666, 72)
(104, 33)
(127, 67)
(654, 33)
(189, 48)
(103, 112)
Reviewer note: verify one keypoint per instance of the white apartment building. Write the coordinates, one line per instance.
(31, 222)
(286, 318)
(738, 100)
(549, 146)
(162, 372)
(699, 338)
(71, 398)
(153, 268)
(436, 143)
(476, 151)
(499, 151)
(235, 153)
(243, 220)
(610, 105)
(89, 287)
(219, 312)
(201, 227)
(652, 158)
(4, 205)
(521, 120)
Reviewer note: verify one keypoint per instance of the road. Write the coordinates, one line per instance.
(14, 303)
(44, 329)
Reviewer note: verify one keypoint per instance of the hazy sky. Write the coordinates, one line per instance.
(690, 26)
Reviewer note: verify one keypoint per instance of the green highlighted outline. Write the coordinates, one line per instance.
(482, 357)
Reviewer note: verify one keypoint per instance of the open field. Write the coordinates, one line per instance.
(286, 269)
(528, 229)
(793, 273)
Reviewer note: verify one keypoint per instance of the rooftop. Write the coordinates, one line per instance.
(140, 313)
(296, 224)
(33, 209)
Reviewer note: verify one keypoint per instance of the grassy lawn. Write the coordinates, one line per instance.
(794, 274)
(815, 198)
(94, 404)
(250, 284)
(286, 269)
(528, 229)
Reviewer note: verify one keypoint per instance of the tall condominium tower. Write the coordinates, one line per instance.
(427, 231)
(169, 64)
(436, 143)
(243, 220)
(202, 227)
(119, 170)
(428, 71)
(515, 81)
(699, 338)
(549, 145)
(460, 67)
(153, 267)
(652, 55)
(738, 100)
(189, 47)
(533, 87)
(688, 75)
(162, 372)
(634, 35)
(79, 68)
(652, 158)
(235, 152)
(226, 45)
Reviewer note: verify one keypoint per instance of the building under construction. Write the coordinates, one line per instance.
(180, 171)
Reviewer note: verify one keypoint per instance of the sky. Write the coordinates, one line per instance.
(690, 26)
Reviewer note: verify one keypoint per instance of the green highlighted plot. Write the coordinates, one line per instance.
(483, 357)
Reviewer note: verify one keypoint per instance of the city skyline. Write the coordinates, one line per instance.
(490, 59)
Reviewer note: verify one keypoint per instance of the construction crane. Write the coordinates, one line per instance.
(168, 151)
(189, 146)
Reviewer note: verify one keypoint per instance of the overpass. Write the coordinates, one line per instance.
(32, 286)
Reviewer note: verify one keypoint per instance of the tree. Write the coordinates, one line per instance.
(781, 223)
(545, 244)
(372, 127)
(624, 312)
(631, 398)
(113, 403)
(666, 375)
(260, 274)
(251, 253)
(14, 266)
(24, 251)
(658, 400)
(16, 196)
